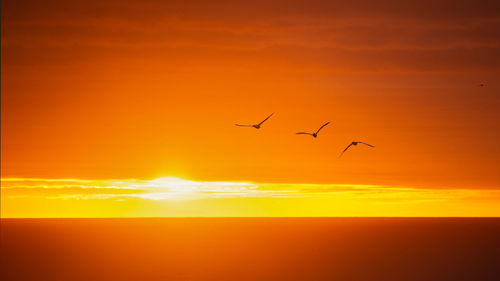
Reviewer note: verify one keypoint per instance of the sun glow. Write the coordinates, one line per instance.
(173, 196)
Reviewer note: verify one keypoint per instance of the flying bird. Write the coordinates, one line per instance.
(313, 134)
(354, 143)
(482, 85)
(256, 126)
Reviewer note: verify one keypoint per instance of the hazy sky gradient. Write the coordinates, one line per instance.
(146, 89)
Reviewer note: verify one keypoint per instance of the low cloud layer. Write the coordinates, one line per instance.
(171, 188)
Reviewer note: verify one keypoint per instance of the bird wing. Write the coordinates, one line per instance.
(322, 127)
(366, 144)
(243, 125)
(266, 119)
(303, 133)
(345, 150)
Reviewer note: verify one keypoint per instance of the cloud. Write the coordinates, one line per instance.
(320, 35)
(171, 188)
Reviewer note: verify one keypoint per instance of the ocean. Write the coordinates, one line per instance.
(309, 249)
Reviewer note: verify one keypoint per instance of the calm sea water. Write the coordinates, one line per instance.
(251, 249)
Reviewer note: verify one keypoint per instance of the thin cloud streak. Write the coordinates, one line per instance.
(347, 34)
(171, 188)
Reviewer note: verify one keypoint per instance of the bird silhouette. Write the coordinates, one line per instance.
(482, 85)
(256, 126)
(313, 134)
(354, 143)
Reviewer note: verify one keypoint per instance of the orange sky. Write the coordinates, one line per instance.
(148, 89)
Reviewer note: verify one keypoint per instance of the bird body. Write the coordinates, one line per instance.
(315, 134)
(256, 126)
(354, 143)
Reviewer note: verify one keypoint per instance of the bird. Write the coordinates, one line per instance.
(313, 134)
(256, 126)
(482, 85)
(354, 143)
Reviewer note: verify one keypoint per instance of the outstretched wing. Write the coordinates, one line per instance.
(243, 125)
(303, 133)
(322, 127)
(345, 150)
(366, 144)
(266, 119)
